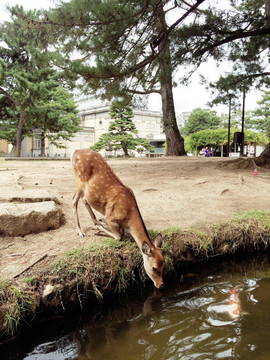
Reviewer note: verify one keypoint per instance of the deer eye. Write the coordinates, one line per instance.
(154, 269)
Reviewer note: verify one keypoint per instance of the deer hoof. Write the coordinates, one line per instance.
(80, 233)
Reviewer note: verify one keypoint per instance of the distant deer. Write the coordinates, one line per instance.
(103, 191)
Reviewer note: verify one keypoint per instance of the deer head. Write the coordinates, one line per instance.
(153, 261)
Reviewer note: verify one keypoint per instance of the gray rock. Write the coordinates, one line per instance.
(23, 219)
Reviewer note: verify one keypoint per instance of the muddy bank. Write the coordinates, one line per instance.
(58, 284)
(56, 271)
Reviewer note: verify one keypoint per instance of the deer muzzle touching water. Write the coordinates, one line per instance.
(101, 190)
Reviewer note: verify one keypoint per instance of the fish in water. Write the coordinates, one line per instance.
(234, 305)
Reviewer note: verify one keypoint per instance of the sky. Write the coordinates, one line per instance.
(186, 98)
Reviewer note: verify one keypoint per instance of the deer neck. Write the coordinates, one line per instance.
(138, 230)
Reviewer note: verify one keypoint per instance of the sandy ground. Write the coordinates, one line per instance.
(186, 192)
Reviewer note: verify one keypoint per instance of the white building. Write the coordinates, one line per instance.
(95, 121)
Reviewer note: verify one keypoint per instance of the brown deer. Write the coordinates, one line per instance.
(103, 191)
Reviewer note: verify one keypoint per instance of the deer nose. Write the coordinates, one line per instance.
(161, 286)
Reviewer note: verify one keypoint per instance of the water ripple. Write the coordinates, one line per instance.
(186, 323)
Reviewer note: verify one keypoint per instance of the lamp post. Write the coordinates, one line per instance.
(243, 122)
(229, 126)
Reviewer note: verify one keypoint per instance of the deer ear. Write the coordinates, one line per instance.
(158, 241)
(146, 249)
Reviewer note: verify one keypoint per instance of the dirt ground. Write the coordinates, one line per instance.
(187, 192)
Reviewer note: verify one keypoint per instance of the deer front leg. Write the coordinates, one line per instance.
(76, 198)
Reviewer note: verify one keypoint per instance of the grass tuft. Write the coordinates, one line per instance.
(14, 307)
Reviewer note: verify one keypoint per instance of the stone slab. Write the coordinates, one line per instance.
(27, 196)
(23, 219)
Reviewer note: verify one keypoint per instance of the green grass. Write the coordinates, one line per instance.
(100, 264)
(29, 280)
(14, 305)
(262, 216)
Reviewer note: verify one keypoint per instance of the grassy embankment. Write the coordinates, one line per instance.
(97, 270)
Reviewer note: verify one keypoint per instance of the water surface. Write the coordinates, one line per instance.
(188, 320)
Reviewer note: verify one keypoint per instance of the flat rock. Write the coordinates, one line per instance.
(23, 219)
(27, 196)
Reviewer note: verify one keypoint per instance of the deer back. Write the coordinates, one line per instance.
(100, 186)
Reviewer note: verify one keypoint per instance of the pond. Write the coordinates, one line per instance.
(220, 310)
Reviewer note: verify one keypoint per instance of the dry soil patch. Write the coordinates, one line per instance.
(186, 192)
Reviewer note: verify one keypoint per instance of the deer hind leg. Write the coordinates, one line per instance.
(98, 223)
(91, 213)
(76, 198)
(108, 233)
(116, 232)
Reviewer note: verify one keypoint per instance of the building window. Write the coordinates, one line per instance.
(138, 125)
(90, 116)
(37, 142)
(89, 138)
(150, 126)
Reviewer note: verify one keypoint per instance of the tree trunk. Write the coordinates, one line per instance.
(42, 150)
(125, 150)
(264, 158)
(16, 149)
(18, 146)
(267, 7)
(175, 142)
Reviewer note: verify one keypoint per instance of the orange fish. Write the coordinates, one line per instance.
(234, 305)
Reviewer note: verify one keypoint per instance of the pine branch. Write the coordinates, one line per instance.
(11, 98)
(145, 92)
(71, 24)
(238, 34)
(240, 78)
(192, 8)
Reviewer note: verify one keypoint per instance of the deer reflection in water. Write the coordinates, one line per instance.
(112, 337)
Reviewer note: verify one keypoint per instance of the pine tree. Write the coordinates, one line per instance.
(56, 115)
(127, 51)
(122, 131)
(31, 91)
(262, 114)
(20, 74)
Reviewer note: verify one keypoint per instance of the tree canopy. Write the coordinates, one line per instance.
(128, 47)
(246, 33)
(123, 48)
(31, 90)
(18, 75)
(199, 119)
(262, 114)
(217, 137)
(56, 116)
